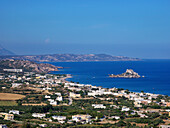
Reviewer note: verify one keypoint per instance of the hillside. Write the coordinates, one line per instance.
(71, 58)
(4, 52)
(27, 66)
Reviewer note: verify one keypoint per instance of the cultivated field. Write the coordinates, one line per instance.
(8, 103)
(10, 96)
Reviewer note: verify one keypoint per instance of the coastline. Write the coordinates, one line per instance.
(96, 73)
(71, 76)
(64, 79)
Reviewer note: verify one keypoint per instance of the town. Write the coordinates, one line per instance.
(30, 99)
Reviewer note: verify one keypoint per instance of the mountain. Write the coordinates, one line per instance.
(70, 58)
(4, 51)
(27, 66)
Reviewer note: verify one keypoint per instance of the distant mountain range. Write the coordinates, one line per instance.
(69, 58)
(4, 52)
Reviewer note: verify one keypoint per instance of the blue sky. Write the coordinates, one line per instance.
(135, 28)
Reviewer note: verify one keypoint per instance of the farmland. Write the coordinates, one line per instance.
(8, 103)
(10, 96)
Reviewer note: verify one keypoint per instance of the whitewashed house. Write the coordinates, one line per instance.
(38, 115)
(124, 108)
(14, 112)
(47, 97)
(115, 117)
(59, 98)
(99, 106)
(59, 118)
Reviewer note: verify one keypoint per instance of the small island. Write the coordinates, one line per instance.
(128, 74)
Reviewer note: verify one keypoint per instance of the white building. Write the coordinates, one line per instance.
(99, 106)
(12, 70)
(43, 125)
(164, 126)
(81, 118)
(15, 85)
(115, 117)
(74, 95)
(14, 112)
(59, 118)
(38, 115)
(124, 108)
(59, 98)
(52, 102)
(58, 93)
(3, 126)
(47, 97)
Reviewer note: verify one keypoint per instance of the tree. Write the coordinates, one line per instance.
(26, 125)
(121, 123)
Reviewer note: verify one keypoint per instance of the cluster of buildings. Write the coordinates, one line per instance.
(75, 91)
(10, 115)
(82, 118)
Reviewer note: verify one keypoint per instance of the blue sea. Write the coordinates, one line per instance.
(156, 72)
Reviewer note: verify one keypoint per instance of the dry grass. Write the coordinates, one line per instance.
(10, 96)
(8, 103)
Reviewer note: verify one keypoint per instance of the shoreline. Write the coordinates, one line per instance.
(71, 76)
(150, 84)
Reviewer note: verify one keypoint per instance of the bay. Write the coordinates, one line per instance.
(156, 72)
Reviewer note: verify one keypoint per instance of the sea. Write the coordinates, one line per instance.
(156, 72)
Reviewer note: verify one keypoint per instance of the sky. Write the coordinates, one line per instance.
(134, 28)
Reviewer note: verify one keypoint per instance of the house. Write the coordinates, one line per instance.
(74, 95)
(12, 70)
(124, 108)
(59, 98)
(74, 89)
(14, 112)
(164, 126)
(98, 106)
(16, 85)
(43, 125)
(91, 93)
(115, 117)
(3, 126)
(143, 116)
(47, 88)
(58, 93)
(107, 93)
(58, 81)
(38, 115)
(59, 118)
(114, 106)
(168, 104)
(137, 104)
(81, 118)
(9, 117)
(47, 97)
(52, 102)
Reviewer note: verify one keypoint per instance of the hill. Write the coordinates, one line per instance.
(27, 66)
(4, 52)
(70, 58)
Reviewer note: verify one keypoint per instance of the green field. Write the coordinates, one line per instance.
(8, 103)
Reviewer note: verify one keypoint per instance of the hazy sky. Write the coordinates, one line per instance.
(135, 28)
